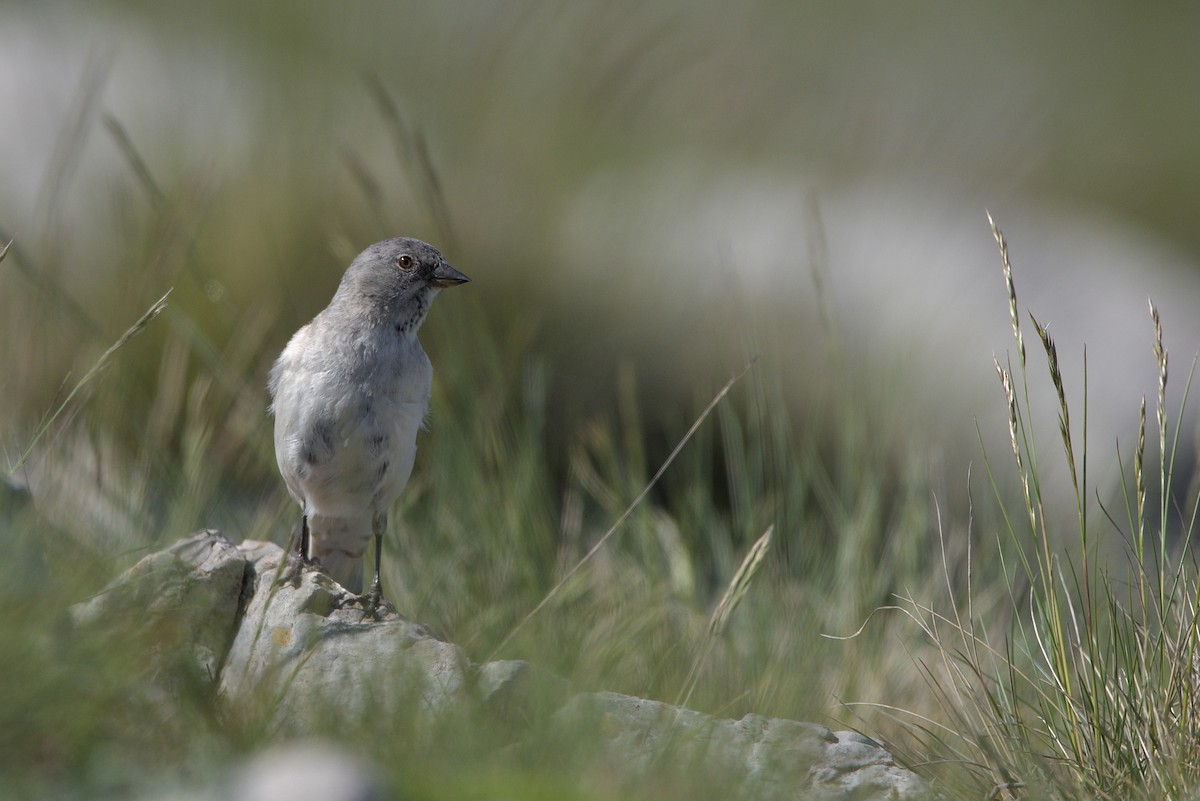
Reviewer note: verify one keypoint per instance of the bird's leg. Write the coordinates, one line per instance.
(302, 543)
(374, 598)
(376, 586)
(298, 558)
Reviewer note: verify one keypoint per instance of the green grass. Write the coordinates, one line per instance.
(1020, 660)
(1082, 681)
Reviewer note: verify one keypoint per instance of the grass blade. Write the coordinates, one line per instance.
(135, 329)
(628, 511)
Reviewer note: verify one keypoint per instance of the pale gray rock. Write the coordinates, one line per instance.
(307, 771)
(517, 691)
(292, 648)
(759, 757)
(306, 648)
(187, 596)
(302, 770)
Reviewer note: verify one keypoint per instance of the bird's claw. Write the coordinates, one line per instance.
(293, 569)
(373, 604)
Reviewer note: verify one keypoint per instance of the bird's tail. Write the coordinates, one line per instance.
(339, 543)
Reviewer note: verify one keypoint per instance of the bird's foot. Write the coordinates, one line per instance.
(291, 570)
(374, 606)
(294, 565)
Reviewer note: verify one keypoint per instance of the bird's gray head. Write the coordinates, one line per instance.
(393, 282)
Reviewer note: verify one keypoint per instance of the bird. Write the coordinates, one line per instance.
(349, 393)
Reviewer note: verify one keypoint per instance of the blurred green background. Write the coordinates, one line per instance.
(264, 159)
(645, 196)
(606, 171)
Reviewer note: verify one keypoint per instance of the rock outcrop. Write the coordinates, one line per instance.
(762, 757)
(308, 647)
(301, 652)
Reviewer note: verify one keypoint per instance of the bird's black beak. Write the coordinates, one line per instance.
(444, 275)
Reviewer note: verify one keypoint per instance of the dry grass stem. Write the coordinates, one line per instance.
(734, 593)
(135, 329)
(628, 511)
(740, 583)
(998, 235)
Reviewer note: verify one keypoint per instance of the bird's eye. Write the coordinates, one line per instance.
(405, 262)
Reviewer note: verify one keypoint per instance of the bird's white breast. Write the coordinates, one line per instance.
(347, 413)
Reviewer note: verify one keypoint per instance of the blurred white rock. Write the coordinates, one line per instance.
(913, 284)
